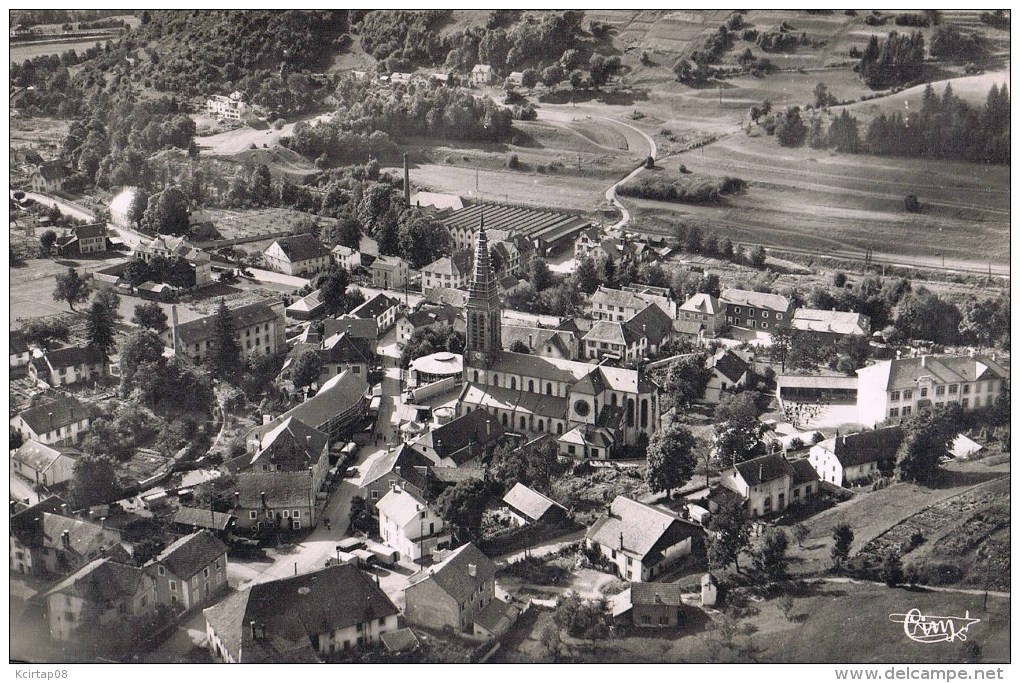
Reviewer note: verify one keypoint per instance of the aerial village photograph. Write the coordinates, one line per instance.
(496, 336)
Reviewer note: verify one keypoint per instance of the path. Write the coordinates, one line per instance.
(66, 207)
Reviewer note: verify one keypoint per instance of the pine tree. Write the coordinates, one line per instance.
(225, 351)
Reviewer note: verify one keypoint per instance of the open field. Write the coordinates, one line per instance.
(21, 52)
(972, 89)
(241, 139)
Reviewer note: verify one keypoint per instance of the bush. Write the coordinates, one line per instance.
(911, 203)
(513, 162)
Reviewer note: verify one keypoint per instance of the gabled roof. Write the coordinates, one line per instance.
(344, 348)
(400, 505)
(71, 356)
(359, 328)
(101, 582)
(282, 489)
(902, 373)
(18, 344)
(53, 170)
(453, 573)
(90, 230)
(41, 457)
(592, 384)
(803, 472)
(191, 554)
(861, 448)
(728, 364)
(689, 327)
(65, 411)
(374, 307)
(294, 612)
(529, 502)
(764, 468)
(206, 519)
(242, 317)
(459, 264)
(292, 441)
(652, 323)
(301, 247)
(386, 263)
(437, 200)
(336, 396)
(447, 295)
(743, 297)
(476, 429)
(656, 594)
(432, 315)
(702, 303)
(395, 460)
(837, 322)
(481, 69)
(618, 297)
(47, 530)
(610, 332)
(588, 435)
(645, 530)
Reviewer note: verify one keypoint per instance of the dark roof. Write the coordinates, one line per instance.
(433, 314)
(803, 472)
(18, 343)
(335, 397)
(91, 230)
(652, 323)
(66, 410)
(542, 224)
(41, 457)
(359, 328)
(206, 519)
(399, 460)
(294, 611)
(346, 348)
(497, 617)
(447, 295)
(201, 329)
(53, 170)
(476, 429)
(282, 489)
(729, 364)
(655, 594)
(374, 307)
(529, 502)
(764, 468)
(191, 554)
(646, 530)
(453, 573)
(46, 530)
(102, 582)
(302, 247)
(292, 442)
(864, 447)
(71, 356)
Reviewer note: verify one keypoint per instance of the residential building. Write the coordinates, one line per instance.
(389, 272)
(300, 619)
(623, 304)
(187, 520)
(190, 572)
(50, 177)
(409, 525)
(902, 386)
(705, 309)
(614, 340)
(528, 506)
(401, 467)
(653, 325)
(446, 296)
(21, 354)
(381, 308)
(178, 248)
(586, 243)
(364, 329)
(453, 591)
(641, 541)
(587, 442)
(55, 420)
(649, 605)
(290, 446)
(48, 544)
(103, 596)
(495, 619)
(434, 317)
(83, 239)
(851, 458)
(69, 365)
(458, 442)
(831, 326)
(754, 309)
(340, 353)
(516, 77)
(338, 405)
(449, 271)
(542, 341)
(728, 373)
(347, 258)
(300, 255)
(230, 107)
(482, 74)
(259, 326)
(532, 394)
(45, 465)
(770, 483)
(266, 501)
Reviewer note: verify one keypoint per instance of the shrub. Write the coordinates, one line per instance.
(513, 162)
(796, 443)
(911, 203)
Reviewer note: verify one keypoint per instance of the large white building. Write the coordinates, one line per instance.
(900, 387)
(232, 108)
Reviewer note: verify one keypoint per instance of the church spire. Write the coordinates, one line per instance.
(482, 311)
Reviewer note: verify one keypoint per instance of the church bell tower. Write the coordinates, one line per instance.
(482, 312)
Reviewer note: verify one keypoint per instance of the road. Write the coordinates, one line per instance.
(67, 208)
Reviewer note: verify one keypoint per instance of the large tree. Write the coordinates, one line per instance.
(687, 380)
(150, 316)
(94, 481)
(531, 465)
(46, 242)
(333, 290)
(346, 230)
(929, 436)
(423, 238)
(45, 333)
(671, 458)
(167, 212)
(71, 288)
(99, 325)
(731, 533)
(462, 506)
(225, 351)
(842, 541)
(586, 275)
(307, 368)
(142, 351)
(769, 556)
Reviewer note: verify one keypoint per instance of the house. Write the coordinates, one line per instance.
(408, 524)
(267, 501)
(654, 326)
(50, 177)
(380, 308)
(307, 307)
(21, 354)
(754, 309)
(300, 619)
(770, 483)
(101, 597)
(461, 440)
(69, 365)
(187, 519)
(364, 329)
(705, 309)
(495, 619)
(190, 572)
(850, 458)
(586, 242)
(542, 341)
(291, 446)
(516, 77)
(434, 317)
(831, 326)
(453, 591)
(688, 330)
(613, 340)
(340, 353)
(389, 272)
(45, 543)
(258, 326)
(179, 249)
(83, 239)
(728, 373)
(641, 541)
(587, 442)
(902, 386)
(339, 404)
(649, 605)
(446, 296)
(55, 420)
(527, 506)
(401, 466)
(231, 108)
(45, 465)
(449, 271)
(623, 304)
(482, 74)
(346, 258)
(301, 255)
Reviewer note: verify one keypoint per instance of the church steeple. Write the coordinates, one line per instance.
(482, 312)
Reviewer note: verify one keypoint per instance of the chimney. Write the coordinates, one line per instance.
(924, 361)
(407, 183)
(472, 569)
(263, 494)
(173, 325)
(237, 499)
(262, 627)
(254, 635)
(102, 522)
(51, 421)
(65, 537)
(761, 470)
(621, 540)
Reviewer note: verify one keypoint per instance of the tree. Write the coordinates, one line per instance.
(333, 289)
(844, 134)
(99, 326)
(842, 540)
(769, 556)
(94, 481)
(346, 231)
(581, 618)
(225, 351)
(822, 96)
(71, 288)
(46, 242)
(307, 369)
(757, 257)
(150, 316)
(529, 78)
(687, 380)
(892, 569)
(692, 241)
(44, 333)
(586, 275)
(552, 642)
(423, 239)
(731, 527)
(929, 436)
(539, 274)
(911, 203)
(462, 506)
(167, 212)
(142, 351)
(800, 534)
(791, 131)
(671, 458)
(726, 248)
(532, 465)
(552, 75)
(136, 210)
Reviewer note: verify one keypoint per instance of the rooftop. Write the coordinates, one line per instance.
(61, 411)
(743, 297)
(529, 502)
(903, 373)
(454, 574)
(191, 554)
(639, 529)
(302, 247)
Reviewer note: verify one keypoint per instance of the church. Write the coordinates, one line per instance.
(593, 410)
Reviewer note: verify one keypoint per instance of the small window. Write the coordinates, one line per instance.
(764, 314)
(940, 391)
(297, 524)
(906, 410)
(966, 388)
(296, 514)
(253, 514)
(924, 392)
(895, 396)
(952, 389)
(161, 570)
(286, 514)
(894, 412)
(173, 586)
(908, 394)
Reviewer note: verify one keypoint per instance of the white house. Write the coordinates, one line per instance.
(410, 525)
(60, 420)
(224, 107)
(43, 464)
(346, 258)
(301, 255)
(770, 483)
(707, 310)
(389, 272)
(851, 458)
(728, 372)
(482, 74)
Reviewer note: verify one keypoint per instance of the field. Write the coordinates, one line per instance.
(21, 52)
(972, 89)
